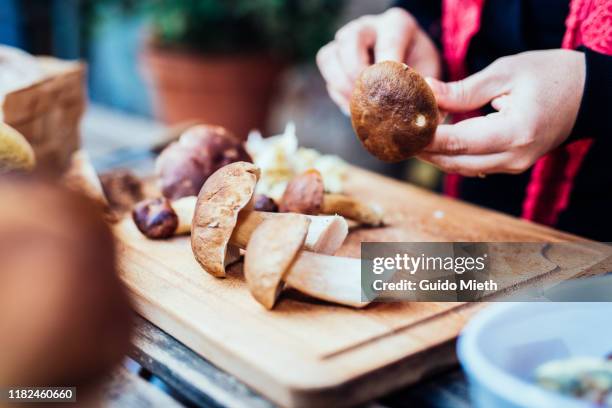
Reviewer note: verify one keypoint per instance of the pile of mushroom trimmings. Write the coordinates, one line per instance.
(293, 247)
(280, 158)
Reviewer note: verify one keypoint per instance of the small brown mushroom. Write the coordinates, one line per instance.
(184, 166)
(122, 189)
(271, 262)
(305, 194)
(264, 203)
(222, 217)
(393, 111)
(158, 218)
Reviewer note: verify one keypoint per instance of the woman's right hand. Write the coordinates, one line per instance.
(393, 35)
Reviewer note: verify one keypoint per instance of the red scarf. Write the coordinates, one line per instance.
(589, 23)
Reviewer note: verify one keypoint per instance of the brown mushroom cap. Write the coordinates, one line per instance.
(155, 218)
(271, 250)
(184, 166)
(393, 111)
(224, 194)
(304, 194)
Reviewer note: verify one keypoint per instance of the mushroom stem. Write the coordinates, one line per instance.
(184, 208)
(305, 194)
(325, 234)
(331, 278)
(275, 256)
(352, 209)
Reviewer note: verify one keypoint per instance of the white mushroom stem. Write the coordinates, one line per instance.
(184, 208)
(331, 278)
(325, 234)
(352, 209)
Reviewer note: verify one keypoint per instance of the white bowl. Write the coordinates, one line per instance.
(503, 345)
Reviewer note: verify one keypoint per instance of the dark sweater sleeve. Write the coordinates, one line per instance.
(594, 118)
(428, 13)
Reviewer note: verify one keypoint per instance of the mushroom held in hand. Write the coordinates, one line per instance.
(223, 216)
(305, 195)
(184, 166)
(65, 317)
(394, 111)
(275, 257)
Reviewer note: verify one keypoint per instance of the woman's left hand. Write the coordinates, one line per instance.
(536, 96)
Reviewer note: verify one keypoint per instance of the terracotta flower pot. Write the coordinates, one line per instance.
(229, 90)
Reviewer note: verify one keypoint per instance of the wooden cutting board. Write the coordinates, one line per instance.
(306, 353)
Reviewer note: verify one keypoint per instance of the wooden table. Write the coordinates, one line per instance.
(117, 140)
(194, 381)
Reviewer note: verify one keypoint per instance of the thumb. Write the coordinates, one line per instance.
(468, 94)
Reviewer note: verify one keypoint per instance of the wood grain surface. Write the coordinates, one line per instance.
(305, 352)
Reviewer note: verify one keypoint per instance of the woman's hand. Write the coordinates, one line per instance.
(393, 35)
(536, 95)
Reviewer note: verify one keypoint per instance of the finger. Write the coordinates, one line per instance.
(501, 102)
(470, 165)
(424, 58)
(470, 93)
(354, 42)
(480, 135)
(331, 70)
(339, 99)
(394, 34)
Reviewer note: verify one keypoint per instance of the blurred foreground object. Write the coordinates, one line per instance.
(587, 378)
(65, 317)
(43, 98)
(15, 151)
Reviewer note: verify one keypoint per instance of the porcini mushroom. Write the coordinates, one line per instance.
(223, 216)
(270, 263)
(305, 194)
(184, 165)
(393, 111)
(159, 218)
(265, 275)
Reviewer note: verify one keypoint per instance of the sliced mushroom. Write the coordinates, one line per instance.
(305, 194)
(271, 262)
(222, 216)
(265, 275)
(325, 233)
